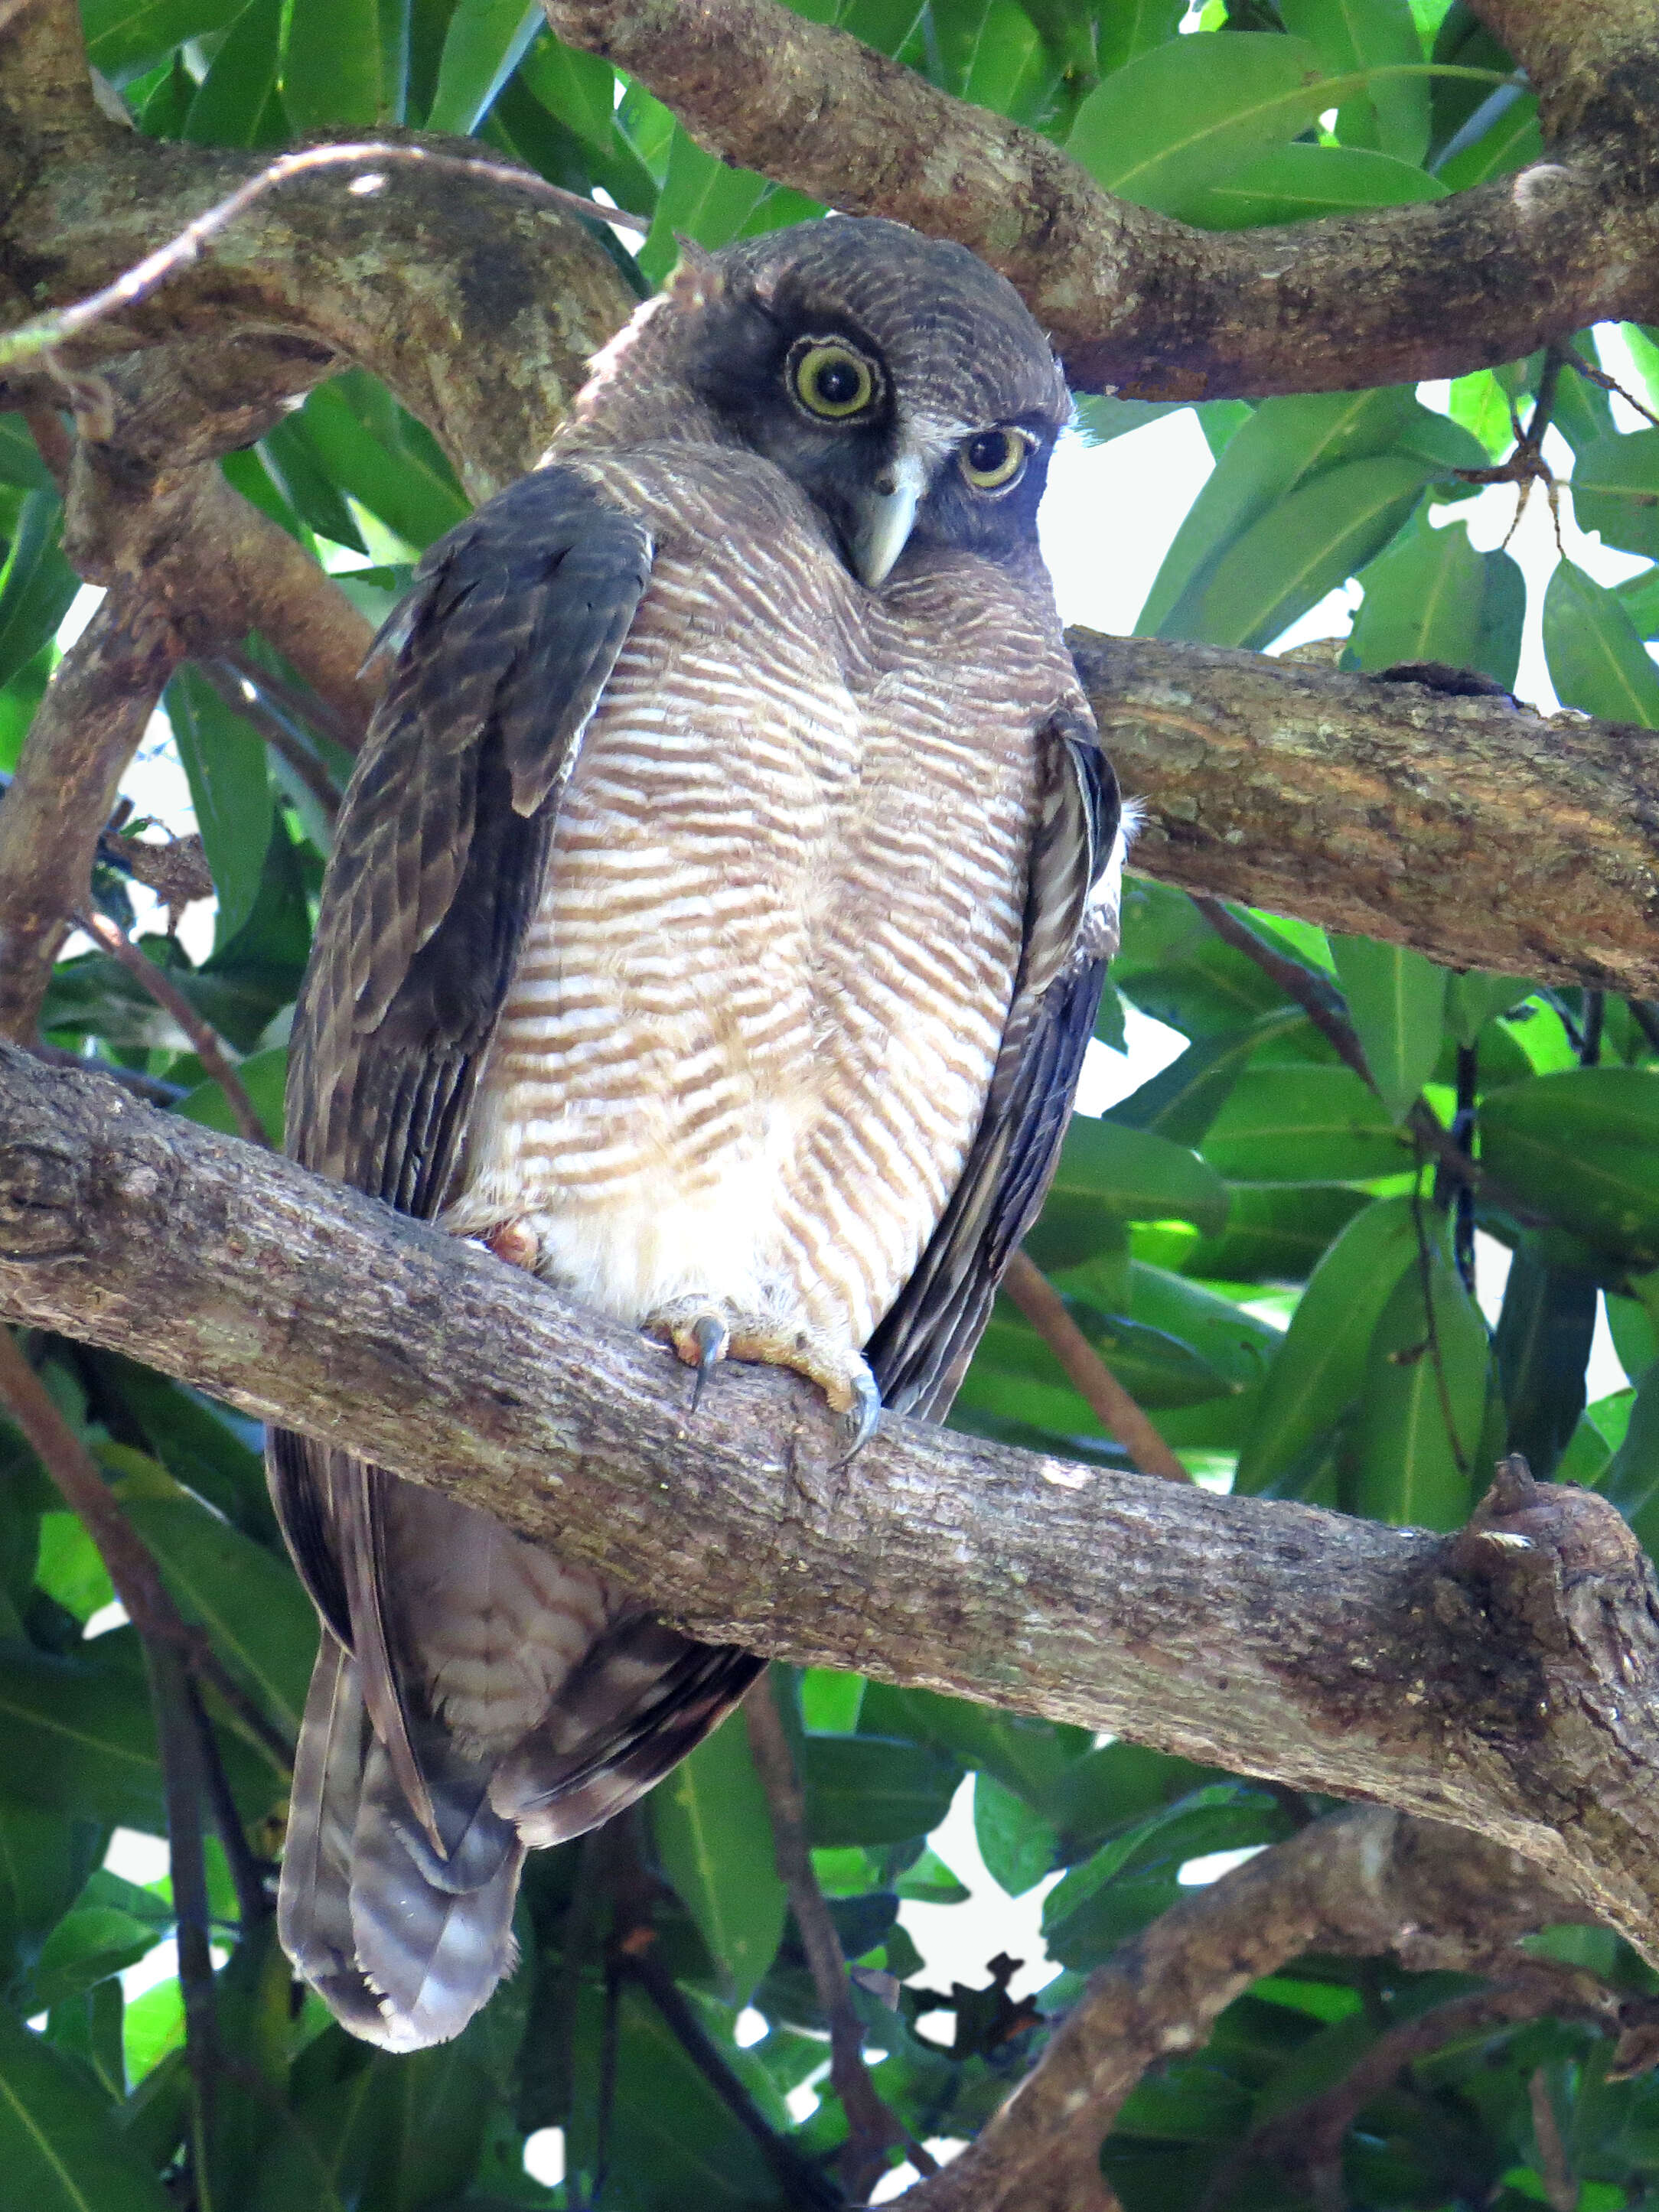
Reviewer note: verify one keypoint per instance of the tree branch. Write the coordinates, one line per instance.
(1094, 1380)
(1506, 1679)
(1135, 300)
(1361, 1881)
(1486, 834)
(871, 2127)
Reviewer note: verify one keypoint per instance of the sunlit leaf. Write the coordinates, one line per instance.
(1397, 1002)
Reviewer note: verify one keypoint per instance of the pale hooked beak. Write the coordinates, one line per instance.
(887, 517)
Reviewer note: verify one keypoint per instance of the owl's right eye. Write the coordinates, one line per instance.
(831, 381)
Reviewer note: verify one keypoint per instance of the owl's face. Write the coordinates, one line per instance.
(897, 378)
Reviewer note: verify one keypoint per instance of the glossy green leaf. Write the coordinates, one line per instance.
(86, 1947)
(1298, 183)
(1130, 28)
(1238, 1346)
(126, 36)
(1424, 1399)
(1016, 1842)
(1285, 444)
(1430, 596)
(1596, 659)
(870, 1789)
(1350, 35)
(483, 45)
(1542, 1347)
(1474, 998)
(1168, 124)
(579, 89)
(1315, 1124)
(1275, 1233)
(1397, 1002)
(1631, 1477)
(330, 72)
(45, 1858)
(36, 583)
(230, 789)
(77, 1735)
(382, 459)
(1639, 597)
(714, 1837)
(1134, 1174)
(263, 1077)
(1031, 1758)
(238, 102)
(1615, 490)
(703, 199)
(1182, 1100)
(60, 2148)
(1286, 561)
(1583, 1148)
(1321, 1367)
(258, 1618)
(1100, 1903)
(20, 461)
(1506, 135)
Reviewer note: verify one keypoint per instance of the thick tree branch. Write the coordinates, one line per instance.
(1487, 835)
(1355, 1882)
(1506, 1679)
(1137, 301)
(101, 699)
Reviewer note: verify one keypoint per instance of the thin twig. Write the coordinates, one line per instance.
(300, 701)
(184, 1784)
(871, 2127)
(248, 1872)
(166, 994)
(127, 1558)
(1645, 1014)
(1554, 2167)
(1109, 1403)
(1318, 997)
(29, 339)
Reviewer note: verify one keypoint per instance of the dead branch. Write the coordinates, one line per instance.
(1105, 1396)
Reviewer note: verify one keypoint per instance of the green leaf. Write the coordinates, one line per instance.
(1615, 490)
(1235, 1344)
(45, 1859)
(702, 198)
(1474, 998)
(1298, 183)
(382, 457)
(1425, 1398)
(60, 2148)
(1542, 1347)
(1320, 1366)
(1095, 1907)
(1031, 1758)
(1286, 561)
(1596, 662)
(1311, 1124)
(579, 89)
(1639, 597)
(1631, 1478)
(1351, 35)
(330, 64)
(714, 1837)
(1134, 1175)
(1506, 135)
(20, 462)
(1168, 124)
(125, 37)
(1131, 28)
(1582, 1147)
(869, 1790)
(1181, 1100)
(1275, 1233)
(257, 1618)
(1426, 599)
(230, 789)
(263, 1077)
(1017, 1843)
(36, 583)
(484, 44)
(1397, 1002)
(77, 1735)
(86, 1947)
(1284, 443)
(237, 102)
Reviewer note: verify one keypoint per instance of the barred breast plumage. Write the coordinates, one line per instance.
(715, 923)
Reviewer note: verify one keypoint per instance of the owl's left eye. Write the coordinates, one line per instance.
(991, 459)
(831, 381)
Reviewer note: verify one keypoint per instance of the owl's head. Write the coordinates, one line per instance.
(897, 378)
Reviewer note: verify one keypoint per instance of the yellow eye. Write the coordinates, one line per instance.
(833, 381)
(991, 459)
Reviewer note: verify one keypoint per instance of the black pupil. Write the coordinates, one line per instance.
(838, 383)
(988, 453)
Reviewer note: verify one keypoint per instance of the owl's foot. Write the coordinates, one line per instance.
(703, 1334)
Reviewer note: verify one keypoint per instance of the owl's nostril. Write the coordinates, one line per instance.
(887, 483)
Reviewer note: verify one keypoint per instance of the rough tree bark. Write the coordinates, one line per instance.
(1506, 1680)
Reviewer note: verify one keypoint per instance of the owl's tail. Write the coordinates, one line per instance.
(403, 1945)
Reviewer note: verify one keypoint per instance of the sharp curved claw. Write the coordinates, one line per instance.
(712, 1338)
(862, 1416)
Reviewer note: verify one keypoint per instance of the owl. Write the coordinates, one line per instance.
(716, 925)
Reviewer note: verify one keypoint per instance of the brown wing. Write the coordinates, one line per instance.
(502, 650)
(919, 1351)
